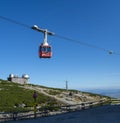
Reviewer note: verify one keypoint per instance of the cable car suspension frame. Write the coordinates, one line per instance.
(45, 50)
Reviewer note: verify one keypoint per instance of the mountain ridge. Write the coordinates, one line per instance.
(15, 96)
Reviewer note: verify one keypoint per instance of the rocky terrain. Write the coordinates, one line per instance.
(17, 102)
(20, 96)
(69, 97)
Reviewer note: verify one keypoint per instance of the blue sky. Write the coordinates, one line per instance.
(95, 22)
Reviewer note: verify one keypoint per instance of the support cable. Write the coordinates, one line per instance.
(59, 36)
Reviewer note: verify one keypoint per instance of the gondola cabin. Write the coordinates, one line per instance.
(45, 51)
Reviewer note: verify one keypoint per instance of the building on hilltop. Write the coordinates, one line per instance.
(20, 80)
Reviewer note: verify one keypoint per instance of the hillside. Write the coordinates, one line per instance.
(20, 97)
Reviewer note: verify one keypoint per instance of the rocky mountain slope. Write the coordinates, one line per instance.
(69, 97)
(17, 96)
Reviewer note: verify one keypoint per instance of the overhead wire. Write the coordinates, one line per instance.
(63, 37)
(15, 22)
(80, 42)
(87, 44)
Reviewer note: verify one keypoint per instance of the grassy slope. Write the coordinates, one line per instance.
(12, 94)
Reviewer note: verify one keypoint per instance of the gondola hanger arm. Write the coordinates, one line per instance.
(35, 27)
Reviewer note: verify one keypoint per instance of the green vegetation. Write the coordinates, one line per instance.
(13, 97)
(16, 97)
(54, 92)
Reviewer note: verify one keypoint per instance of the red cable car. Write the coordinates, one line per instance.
(45, 51)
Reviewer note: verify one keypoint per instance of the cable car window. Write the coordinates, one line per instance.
(49, 49)
(43, 49)
(46, 49)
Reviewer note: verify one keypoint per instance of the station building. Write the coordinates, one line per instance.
(21, 80)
